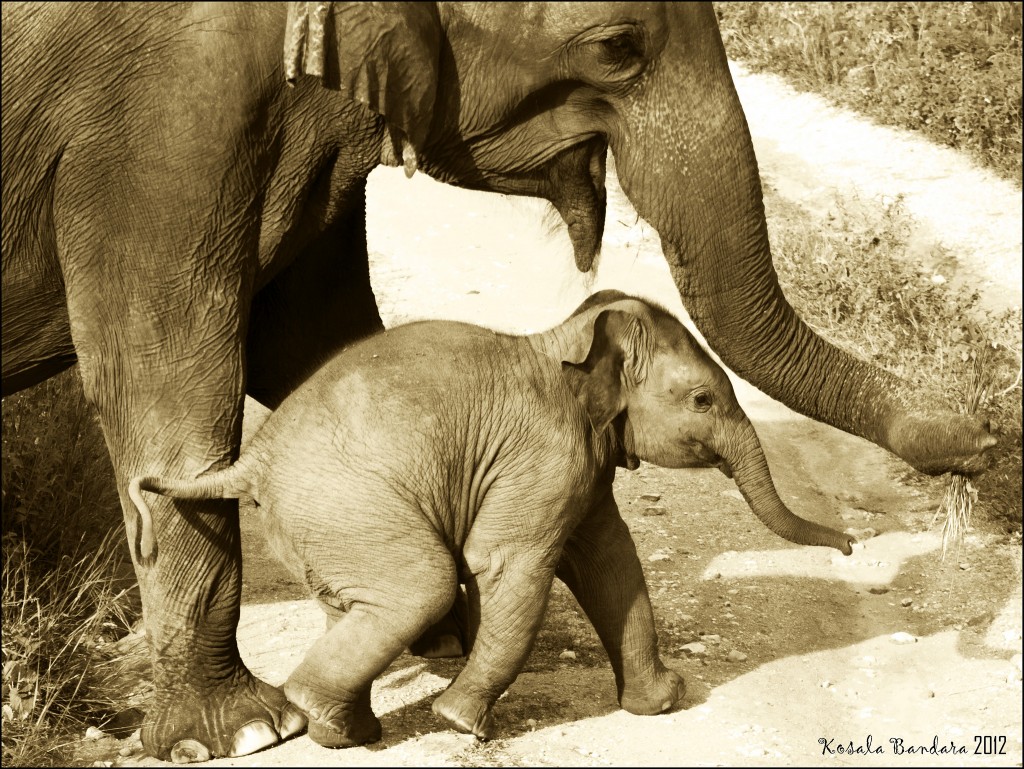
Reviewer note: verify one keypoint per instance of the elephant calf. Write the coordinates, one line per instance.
(438, 453)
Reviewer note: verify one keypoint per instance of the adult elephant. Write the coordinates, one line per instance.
(189, 228)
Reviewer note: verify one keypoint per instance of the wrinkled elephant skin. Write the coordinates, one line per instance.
(492, 463)
(189, 228)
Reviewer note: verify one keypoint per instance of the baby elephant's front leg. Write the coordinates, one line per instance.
(601, 567)
(509, 592)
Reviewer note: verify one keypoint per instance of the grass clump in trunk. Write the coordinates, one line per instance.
(68, 585)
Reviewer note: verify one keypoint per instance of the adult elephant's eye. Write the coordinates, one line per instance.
(623, 52)
(621, 46)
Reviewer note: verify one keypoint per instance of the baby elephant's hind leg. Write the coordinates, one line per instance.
(332, 684)
(510, 592)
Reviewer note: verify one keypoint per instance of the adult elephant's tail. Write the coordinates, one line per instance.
(228, 483)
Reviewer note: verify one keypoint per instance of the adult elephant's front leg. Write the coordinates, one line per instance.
(159, 340)
(601, 568)
(180, 417)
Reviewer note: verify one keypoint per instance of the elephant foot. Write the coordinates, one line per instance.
(941, 442)
(229, 720)
(334, 723)
(469, 715)
(663, 692)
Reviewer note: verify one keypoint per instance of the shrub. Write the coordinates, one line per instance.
(949, 70)
(853, 282)
(67, 580)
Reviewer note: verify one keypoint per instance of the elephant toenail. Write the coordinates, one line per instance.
(254, 736)
(189, 752)
(666, 705)
(293, 721)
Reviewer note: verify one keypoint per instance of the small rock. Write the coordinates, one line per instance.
(531, 723)
(853, 514)
(878, 590)
(695, 649)
(655, 510)
(825, 684)
(651, 497)
(734, 493)
(737, 656)
(686, 618)
(965, 566)
(568, 654)
(906, 602)
(930, 694)
(92, 733)
(711, 638)
(903, 638)
(658, 556)
(127, 750)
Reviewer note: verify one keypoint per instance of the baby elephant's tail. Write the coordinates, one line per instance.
(225, 484)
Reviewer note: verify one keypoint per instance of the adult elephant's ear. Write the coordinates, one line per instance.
(386, 56)
(608, 358)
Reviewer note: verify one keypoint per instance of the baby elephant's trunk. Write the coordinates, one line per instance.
(750, 471)
(225, 484)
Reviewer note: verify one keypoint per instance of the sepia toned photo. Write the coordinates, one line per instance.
(511, 384)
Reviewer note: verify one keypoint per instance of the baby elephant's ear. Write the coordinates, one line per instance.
(608, 343)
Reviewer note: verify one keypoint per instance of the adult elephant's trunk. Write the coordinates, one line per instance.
(693, 175)
(742, 451)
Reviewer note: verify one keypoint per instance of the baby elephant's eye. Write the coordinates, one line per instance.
(702, 400)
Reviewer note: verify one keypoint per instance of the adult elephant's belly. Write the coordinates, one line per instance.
(36, 330)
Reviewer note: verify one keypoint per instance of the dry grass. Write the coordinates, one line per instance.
(68, 589)
(853, 281)
(949, 70)
(57, 621)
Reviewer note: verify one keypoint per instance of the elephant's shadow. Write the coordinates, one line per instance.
(776, 617)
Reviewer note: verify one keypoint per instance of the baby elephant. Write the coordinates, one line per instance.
(440, 453)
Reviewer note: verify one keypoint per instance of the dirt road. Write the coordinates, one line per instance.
(792, 655)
